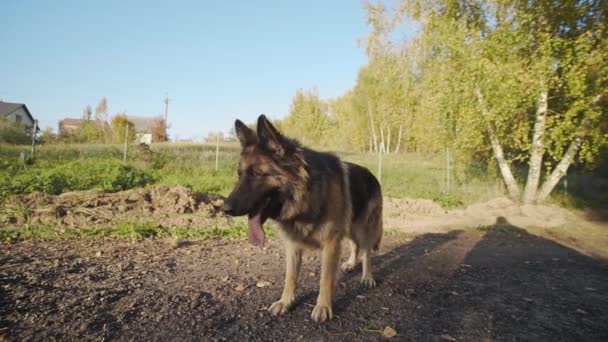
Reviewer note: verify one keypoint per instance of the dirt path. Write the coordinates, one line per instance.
(501, 284)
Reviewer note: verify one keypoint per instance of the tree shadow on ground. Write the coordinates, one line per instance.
(498, 283)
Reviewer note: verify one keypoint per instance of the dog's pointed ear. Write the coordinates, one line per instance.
(246, 135)
(270, 137)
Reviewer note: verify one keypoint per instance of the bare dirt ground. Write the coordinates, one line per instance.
(435, 282)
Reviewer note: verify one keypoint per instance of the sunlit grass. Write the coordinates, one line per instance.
(124, 231)
(194, 165)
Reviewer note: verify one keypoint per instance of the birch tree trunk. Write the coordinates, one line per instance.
(538, 148)
(388, 141)
(504, 167)
(382, 148)
(371, 120)
(560, 170)
(398, 140)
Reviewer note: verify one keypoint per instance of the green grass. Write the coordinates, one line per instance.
(138, 231)
(61, 168)
(419, 176)
(124, 231)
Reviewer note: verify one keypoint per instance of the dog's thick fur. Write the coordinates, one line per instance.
(316, 200)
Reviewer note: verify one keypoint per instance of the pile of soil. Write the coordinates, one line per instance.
(167, 206)
(415, 215)
(181, 207)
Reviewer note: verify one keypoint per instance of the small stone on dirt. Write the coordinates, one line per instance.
(389, 332)
(448, 338)
(240, 288)
(263, 283)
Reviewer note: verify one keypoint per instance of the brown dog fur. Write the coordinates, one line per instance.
(316, 200)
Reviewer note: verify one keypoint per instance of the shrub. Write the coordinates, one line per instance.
(53, 178)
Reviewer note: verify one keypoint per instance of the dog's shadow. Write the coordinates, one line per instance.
(384, 265)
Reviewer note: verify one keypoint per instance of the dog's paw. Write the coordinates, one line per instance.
(347, 266)
(368, 281)
(322, 313)
(279, 308)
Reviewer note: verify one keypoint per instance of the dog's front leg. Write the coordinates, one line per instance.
(329, 268)
(293, 260)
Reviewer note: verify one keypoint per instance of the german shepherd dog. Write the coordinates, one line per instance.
(316, 200)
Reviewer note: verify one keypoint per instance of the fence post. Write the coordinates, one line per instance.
(124, 157)
(33, 150)
(217, 151)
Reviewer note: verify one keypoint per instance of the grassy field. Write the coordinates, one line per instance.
(63, 168)
(126, 230)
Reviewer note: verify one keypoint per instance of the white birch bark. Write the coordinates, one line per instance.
(371, 120)
(538, 148)
(560, 170)
(388, 140)
(504, 167)
(398, 140)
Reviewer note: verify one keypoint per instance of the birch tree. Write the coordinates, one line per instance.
(527, 78)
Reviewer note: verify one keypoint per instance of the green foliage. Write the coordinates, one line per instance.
(84, 174)
(60, 168)
(14, 133)
(125, 231)
(119, 129)
(47, 136)
(91, 132)
(307, 119)
(425, 86)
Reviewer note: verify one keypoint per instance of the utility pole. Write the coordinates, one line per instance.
(166, 101)
(124, 157)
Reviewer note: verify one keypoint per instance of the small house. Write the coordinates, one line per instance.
(17, 113)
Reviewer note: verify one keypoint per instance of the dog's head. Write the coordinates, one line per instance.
(270, 164)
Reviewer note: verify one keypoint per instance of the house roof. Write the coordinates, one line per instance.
(71, 122)
(7, 107)
(143, 124)
(79, 122)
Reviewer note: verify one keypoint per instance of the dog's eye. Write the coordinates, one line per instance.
(255, 173)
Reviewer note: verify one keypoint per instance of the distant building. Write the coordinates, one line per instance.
(17, 113)
(71, 126)
(212, 137)
(143, 128)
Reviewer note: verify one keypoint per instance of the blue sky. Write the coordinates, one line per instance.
(218, 60)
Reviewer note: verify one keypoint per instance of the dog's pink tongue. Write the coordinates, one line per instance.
(256, 231)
